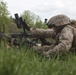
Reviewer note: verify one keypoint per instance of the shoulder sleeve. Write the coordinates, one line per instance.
(42, 33)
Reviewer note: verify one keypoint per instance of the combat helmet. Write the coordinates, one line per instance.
(59, 20)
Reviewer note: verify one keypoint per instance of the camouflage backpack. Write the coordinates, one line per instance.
(73, 23)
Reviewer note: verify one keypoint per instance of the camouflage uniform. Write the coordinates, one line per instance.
(64, 40)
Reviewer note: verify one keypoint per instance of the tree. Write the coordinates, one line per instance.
(3, 14)
(30, 17)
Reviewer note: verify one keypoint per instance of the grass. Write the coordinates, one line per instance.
(26, 62)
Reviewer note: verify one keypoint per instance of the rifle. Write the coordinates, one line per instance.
(22, 24)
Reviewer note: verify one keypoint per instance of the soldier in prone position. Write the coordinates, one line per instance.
(63, 33)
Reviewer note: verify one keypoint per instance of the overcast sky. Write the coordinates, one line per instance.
(43, 8)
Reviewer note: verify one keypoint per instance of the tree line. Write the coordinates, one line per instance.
(32, 19)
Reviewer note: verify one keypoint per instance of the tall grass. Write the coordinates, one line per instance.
(27, 62)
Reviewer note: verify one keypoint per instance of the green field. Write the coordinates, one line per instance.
(27, 62)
